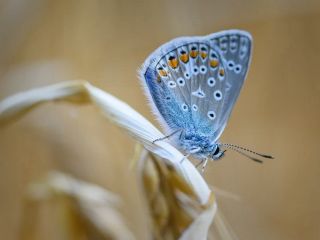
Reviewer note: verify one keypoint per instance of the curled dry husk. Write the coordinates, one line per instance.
(175, 208)
(86, 211)
(195, 192)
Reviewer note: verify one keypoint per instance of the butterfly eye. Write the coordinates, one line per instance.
(211, 82)
(168, 98)
(217, 95)
(216, 152)
(181, 82)
(211, 115)
(172, 84)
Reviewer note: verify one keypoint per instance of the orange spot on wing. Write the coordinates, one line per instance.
(214, 63)
(221, 72)
(173, 63)
(184, 58)
(193, 54)
(203, 55)
(163, 73)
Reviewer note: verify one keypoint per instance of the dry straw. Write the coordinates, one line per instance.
(181, 204)
(85, 210)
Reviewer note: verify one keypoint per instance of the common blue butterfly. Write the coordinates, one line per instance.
(193, 84)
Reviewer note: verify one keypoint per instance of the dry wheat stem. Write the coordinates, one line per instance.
(121, 114)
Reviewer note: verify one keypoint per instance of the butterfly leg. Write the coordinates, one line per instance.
(168, 136)
(204, 165)
(194, 150)
(198, 164)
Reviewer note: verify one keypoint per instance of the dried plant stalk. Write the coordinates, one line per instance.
(85, 210)
(141, 129)
(173, 204)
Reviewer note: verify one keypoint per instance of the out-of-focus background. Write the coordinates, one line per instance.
(104, 42)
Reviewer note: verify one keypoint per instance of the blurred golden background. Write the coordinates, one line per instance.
(104, 42)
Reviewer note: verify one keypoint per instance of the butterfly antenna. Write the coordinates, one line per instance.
(238, 149)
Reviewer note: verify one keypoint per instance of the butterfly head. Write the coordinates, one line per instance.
(217, 153)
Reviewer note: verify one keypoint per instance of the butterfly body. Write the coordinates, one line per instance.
(199, 145)
(192, 84)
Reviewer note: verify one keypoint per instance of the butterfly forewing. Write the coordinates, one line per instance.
(195, 81)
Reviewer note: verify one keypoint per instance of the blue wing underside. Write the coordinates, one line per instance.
(197, 93)
(170, 111)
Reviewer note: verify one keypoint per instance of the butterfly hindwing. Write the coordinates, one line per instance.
(235, 48)
(192, 83)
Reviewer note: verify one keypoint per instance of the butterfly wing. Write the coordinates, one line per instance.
(235, 47)
(168, 81)
(190, 84)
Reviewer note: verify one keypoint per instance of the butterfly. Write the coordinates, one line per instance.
(192, 84)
